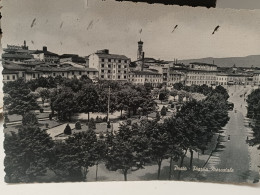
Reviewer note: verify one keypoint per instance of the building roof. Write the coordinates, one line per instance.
(145, 73)
(112, 56)
(199, 63)
(91, 69)
(45, 53)
(199, 70)
(13, 66)
(6, 71)
(17, 56)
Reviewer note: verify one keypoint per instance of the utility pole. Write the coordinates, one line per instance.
(108, 102)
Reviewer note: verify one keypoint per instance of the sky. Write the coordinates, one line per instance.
(84, 26)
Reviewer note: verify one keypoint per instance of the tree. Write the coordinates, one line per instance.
(174, 93)
(163, 96)
(126, 150)
(30, 119)
(75, 156)
(178, 86)
(28, 154)
(99, 152)
(87, 99)
(65, 103)
(158, 143)
(44, 94)
(19, 99)
(67, 130)
(77, 125)
(163, 111)
(92, 124)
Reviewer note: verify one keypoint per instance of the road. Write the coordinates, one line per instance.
(235, 153)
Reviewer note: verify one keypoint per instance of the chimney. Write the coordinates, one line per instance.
(142, 68)
(44, 48)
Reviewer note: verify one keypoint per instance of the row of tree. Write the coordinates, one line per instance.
(76, 96)
(31, 152)
(253, 112)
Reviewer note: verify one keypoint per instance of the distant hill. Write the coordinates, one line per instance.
(247, 61)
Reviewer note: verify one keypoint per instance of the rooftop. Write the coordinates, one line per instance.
(145, 73)
(200, 63)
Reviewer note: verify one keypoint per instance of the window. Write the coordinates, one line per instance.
(102, 71)
(63, 74)
(108, 76)
(23, 74)
(54, 74)
(109, 66)
(124, 77)
(119, 66)
(109, 60)
(125, 66)
(125, 72)
(109, 71)
(72, 72)
(13, 77)
(119, 77)
(119, 71)
(38, 75)
(102, 60)
(8, 78)
(33, 75)
(102, 76)
(102, 65)
(80, 72)
(87, 72)
(125, 61)
(119, 61)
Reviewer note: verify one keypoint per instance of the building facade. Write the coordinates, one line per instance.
(142, 77)
(110, 66)
(201, 73)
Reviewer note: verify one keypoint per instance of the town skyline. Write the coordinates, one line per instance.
(85, 29)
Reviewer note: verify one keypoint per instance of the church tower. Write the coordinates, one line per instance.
(140, 50)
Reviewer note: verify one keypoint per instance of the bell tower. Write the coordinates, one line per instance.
(140, 50)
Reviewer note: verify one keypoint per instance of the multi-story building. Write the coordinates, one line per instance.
(110, 66)
(14, 71)
(256, 77)
(142, 77)
(46, 56)
(201, 73)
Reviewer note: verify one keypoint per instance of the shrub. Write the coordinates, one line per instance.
(50, 117)
(105, 119)
(29, 119)
(6, 118)
(163, 111)
(78, 125)
(101, 135)
(92, 124)
(67, 130)
(99, 119)
(129, 122)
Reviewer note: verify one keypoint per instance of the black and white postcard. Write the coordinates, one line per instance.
(121, 90)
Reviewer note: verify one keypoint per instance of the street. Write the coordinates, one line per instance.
(233, 151)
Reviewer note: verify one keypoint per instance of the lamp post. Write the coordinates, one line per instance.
(108, 104)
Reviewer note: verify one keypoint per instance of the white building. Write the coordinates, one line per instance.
(110, 66)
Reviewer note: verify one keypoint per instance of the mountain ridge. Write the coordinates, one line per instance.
(247, 61)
